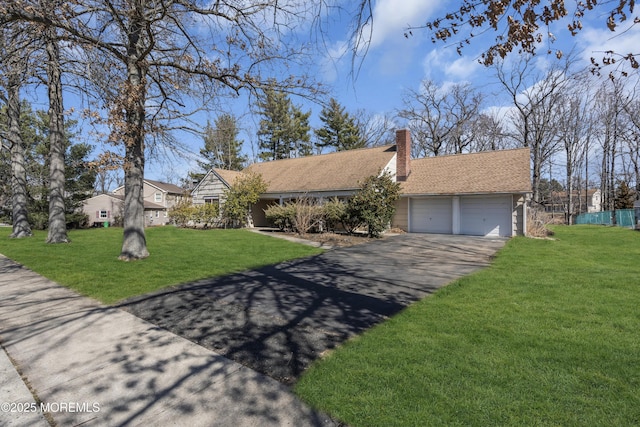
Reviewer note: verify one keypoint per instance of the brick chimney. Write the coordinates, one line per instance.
(403, 154)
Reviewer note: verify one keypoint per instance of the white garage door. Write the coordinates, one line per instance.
(486, 216)
(431, 215)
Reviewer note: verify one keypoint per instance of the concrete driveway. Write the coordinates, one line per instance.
(279, 319)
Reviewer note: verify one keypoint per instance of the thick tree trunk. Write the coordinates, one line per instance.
(21, 227)
(57, 221)
(134, 244)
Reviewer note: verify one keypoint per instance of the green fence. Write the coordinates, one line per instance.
(623, 218)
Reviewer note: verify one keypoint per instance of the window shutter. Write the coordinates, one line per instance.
(98, 214)
(108, 214)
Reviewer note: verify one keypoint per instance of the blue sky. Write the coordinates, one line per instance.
(394, 64)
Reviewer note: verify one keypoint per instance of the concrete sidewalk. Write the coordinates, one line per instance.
(94, 365)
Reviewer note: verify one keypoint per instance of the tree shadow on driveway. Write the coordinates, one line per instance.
(279, 319)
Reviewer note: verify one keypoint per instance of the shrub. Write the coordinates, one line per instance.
(281, 216)
(373, 205)
(207, 214)
(38, 220)
(308, 215)
(333, 212)
(244, 192)
(182, 212)
(77, 220)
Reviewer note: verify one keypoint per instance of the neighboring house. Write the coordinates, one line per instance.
(159, 197)
(103, 208)
(478, 194)
(591, 202)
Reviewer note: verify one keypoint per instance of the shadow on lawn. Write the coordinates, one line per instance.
(279, 319)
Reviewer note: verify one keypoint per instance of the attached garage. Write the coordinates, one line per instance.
(486, 215)
(480, 194)
(432, 215)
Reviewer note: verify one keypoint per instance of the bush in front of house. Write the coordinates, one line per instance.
(305, 215)
(208, 215)
(373, 204)
(333, 211)
(281, 216)
(244, 192)
(182, 213)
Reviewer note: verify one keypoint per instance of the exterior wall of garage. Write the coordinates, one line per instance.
(401, 217)
(519, 215)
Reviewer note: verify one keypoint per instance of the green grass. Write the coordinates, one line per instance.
(548, 335)
(90, 265)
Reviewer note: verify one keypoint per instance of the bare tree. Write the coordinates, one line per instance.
(57, 219)
(574, 130)
(13, 42)
(463, 111)
(375, 129)
(632, 138)
(149, 60)
(490, 132)
(610, 115)
(535, 97)
(440, 118)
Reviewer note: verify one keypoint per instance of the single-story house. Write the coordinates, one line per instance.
(477, 194)
(159, 197)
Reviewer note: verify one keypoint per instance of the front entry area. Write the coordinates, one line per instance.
(469, 215)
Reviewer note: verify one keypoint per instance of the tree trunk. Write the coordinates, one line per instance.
(569, 218)
(134, 244)
(537, 166)
(21, 227)
(57, 221)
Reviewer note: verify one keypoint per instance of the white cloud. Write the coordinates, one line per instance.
(392, 17)
(332, 62)
(446, 64)
(462, 68)
(595, 42)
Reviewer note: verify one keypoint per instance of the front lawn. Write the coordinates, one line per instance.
(548, 335)
(90, 265)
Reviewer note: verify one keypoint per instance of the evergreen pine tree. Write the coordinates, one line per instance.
(624, 197)
(340, 130)
(222, 149)
(284, 128)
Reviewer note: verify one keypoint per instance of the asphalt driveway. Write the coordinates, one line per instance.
(279, 319)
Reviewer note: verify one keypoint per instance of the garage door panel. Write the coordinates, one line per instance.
(431, 215)
(486, 216)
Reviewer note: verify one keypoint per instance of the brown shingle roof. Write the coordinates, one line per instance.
(169, 188)
(343, 170)
(506, 171)
(227, 175)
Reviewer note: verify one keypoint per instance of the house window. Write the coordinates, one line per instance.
(157, 214)
(158, 197)
(211, 201)
(104, 215)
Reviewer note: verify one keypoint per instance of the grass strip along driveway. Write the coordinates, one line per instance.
(548, 335)
(90, 266)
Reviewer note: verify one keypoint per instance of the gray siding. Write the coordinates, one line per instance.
(211, 186)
